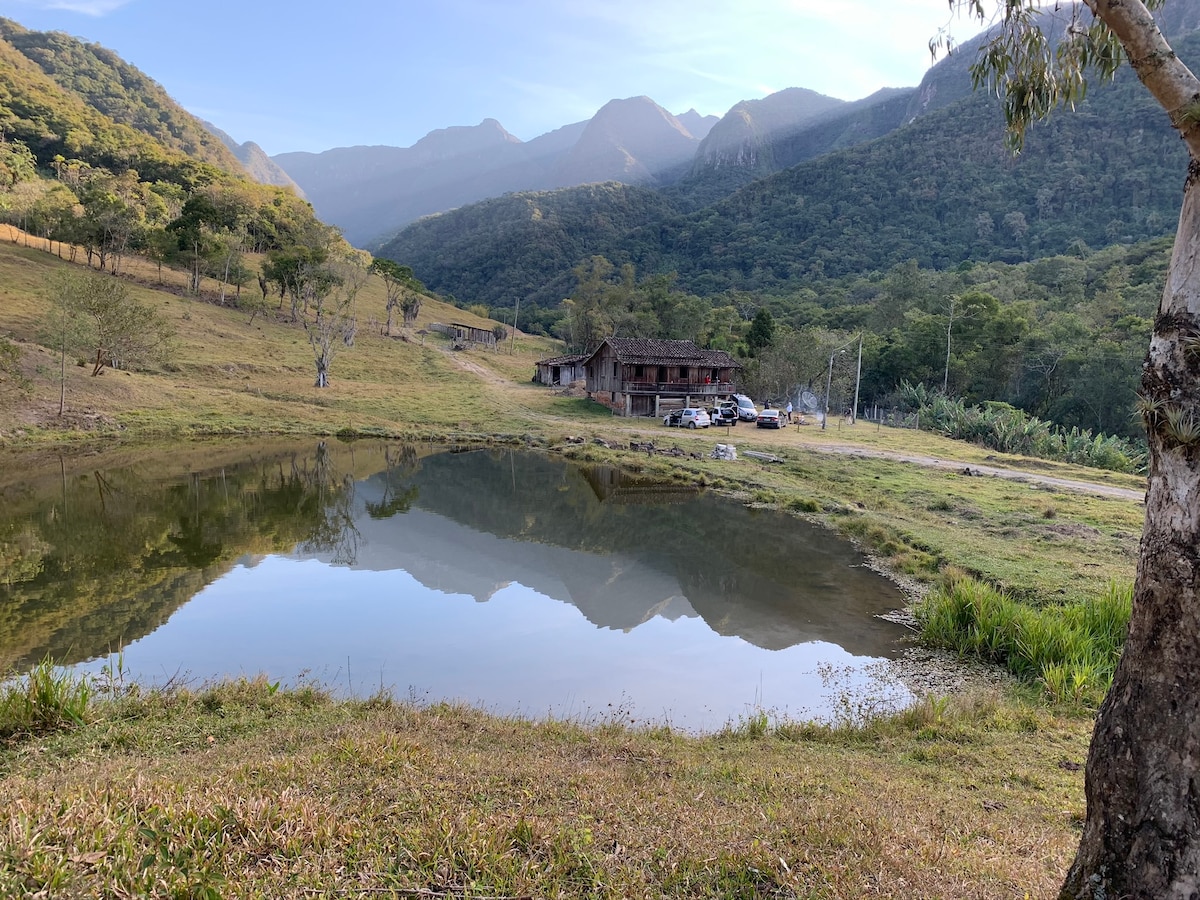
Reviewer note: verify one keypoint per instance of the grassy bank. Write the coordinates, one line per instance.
(1071, 650)
(241, 790)
(1043, 543)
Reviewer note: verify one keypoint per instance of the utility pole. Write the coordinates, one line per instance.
(829, 378)
(857, 380)
(512, 345)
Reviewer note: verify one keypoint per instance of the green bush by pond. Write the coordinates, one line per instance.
(1072, 650)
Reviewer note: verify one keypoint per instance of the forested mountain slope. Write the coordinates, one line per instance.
(532, 239)
(118, 90)
(942, 189)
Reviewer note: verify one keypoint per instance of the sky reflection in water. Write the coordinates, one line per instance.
(522, 584)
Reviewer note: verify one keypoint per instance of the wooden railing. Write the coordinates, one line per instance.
(679, 389)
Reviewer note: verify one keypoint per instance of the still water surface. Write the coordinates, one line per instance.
(513, 581)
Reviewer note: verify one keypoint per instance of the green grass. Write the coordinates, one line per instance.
(1071, 650)
(44, 700)
(240, 790)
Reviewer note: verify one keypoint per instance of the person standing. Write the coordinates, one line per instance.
(789, 412)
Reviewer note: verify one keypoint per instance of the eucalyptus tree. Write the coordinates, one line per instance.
(329, 294)
(402, 290)
(1141, 836)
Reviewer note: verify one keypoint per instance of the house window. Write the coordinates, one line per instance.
(615, 364)
(662, 373)
(639, 371)
(683, 373)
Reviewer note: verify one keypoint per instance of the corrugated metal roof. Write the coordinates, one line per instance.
(562, 360)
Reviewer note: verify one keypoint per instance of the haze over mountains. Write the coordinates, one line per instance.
(371, 192)
(796, 186)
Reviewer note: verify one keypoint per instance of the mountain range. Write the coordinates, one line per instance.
(371, 192)
(790, 186)
(796, 187)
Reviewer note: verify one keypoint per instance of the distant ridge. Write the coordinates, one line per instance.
(255, 161)
(372, 192)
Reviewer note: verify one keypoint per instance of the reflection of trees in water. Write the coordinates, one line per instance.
(330, 501)
(399, 464)
(107, 556)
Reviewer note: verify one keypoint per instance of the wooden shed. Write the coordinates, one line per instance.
(560, 370)
(466, 334)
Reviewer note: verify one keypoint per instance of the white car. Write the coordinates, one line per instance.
(688, 417)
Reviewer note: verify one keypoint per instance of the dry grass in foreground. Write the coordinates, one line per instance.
(242, 790)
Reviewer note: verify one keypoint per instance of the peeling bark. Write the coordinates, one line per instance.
(1142, 833)
(1141, 838)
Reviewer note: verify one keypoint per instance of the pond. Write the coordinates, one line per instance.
(517, 582)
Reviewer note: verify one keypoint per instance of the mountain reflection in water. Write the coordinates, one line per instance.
(510, 530)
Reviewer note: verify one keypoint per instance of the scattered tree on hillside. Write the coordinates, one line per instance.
(1140, 837)
(404, 291)
(328, 296)
(98, 316)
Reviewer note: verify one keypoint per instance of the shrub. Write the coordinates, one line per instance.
(1071, 650)
(47, 699)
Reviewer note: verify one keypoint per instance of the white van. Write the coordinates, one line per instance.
(747, 411)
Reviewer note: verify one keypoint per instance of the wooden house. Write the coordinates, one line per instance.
(639, 376)
(560, 370)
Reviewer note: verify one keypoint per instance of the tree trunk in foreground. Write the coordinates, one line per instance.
(1142, 834)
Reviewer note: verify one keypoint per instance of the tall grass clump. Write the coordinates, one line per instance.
(47, 699)
(1072, 650)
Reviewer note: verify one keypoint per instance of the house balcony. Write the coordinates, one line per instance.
(679, 389)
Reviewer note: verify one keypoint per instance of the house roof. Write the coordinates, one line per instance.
(650, 351)
(562, 360)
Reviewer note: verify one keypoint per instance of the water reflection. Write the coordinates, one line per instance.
(457, 575)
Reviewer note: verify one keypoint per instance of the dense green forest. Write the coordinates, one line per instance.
(941, 190)
(94, 155)
(1061, 338)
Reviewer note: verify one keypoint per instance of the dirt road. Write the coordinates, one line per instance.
(1088, 487)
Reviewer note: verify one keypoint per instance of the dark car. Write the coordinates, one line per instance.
(725, 414)
(769, 418)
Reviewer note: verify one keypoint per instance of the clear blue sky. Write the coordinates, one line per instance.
(304, 75)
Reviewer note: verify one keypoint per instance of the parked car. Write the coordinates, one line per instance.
(746, 409)
(724, 414)
(688, 417)
(769, 418)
